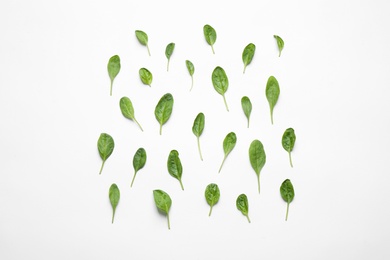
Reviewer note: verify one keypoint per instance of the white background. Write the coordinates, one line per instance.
(54, 103)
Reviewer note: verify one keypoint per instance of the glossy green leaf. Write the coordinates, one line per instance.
(139, 161)
(114, 196)
(272, 92)
(220, 83)
(246, 107)
(243, 206)
(210, 35)
(143, 39)
(163, 109)
(228, 144)
(212, 195)
(287, 193)
(113, 68)
(105, 146)
(168, 52)
(257, 158)
(197, 129)
(191, 70)
(146, 76)
(175, 168)
(163, 203)
(247, 54)
(280, 43)
(288, 142)
(127, 110)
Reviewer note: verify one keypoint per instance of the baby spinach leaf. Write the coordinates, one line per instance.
(210, 35)
(272, 92)
(146, 76)
(142, 38)
(139, 161)
(280, 43)
(175, 168)
(247, 54)
(114, 196)
(105, 146)
(128, 110)
(228, 144)
(197, 129)
(287, 193)
(163, 109)
(163, 203)
(243, 206)
(220, 82)
(288, 142)
(246, 107)
(257, 158)
(212, 195)
(191, 70)
(113, 68)
(168, 52)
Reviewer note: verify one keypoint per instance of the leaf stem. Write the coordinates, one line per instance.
(212, 48)
(132, 181)
(135, 120)
(101, 167)
(192, 82)
(289, 155)
(244, 69)
(288, 205)
(113, 215)
(147, 46)
(111, 87)
(211, 210)
(224, 100)
(169, 222)
(220, 168)
(181, 184)
(200, 152)
(160, 128)
(168, 65)
(258, 182)
(248, 122)
(249, 220)
(272, 117)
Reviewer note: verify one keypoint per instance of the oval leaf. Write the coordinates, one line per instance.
(212, 195)
(168, 52)
(210, 35)
(288, 142)
(243, 205)
(272, 92)
(175, 168)
(163, 109)
(105, 146)
(220, 82)
(127, 110)
(146, 76)
(247, 54)
(257, 158)
(163, 202)
(198, 126)
(287, 193)
(228, 144)
(114, 196)
(142, 38)
(280, 43)
(246, 107)
(113, 68)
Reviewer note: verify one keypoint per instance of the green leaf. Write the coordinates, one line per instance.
(247, 54)
(142, 38)
(212, 195)
(168, 52)
(105, 146)
(114, 196)
(257, 158)
(163, 203)
(228, 144)
(197, 129)
(175, 168)
(210, 35)
(139, 161)
(287, 193)
(280, 43)
(246, 107)
(146, 76)
(220, 82)
(113, 68)
(163, 109)
(191, 70)
(243, 206)
(128, 110)
(272, 92)
(288, 142)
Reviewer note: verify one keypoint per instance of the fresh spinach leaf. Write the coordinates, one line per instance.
(168, 52)
(128, 110)
(175, 168)
(191, 70)
(212, 195)
(114, 196)
(272, 92)
(163, 203)
(228, 144)
(288, 142)
(139, 161)
(287, 193)
(163, 109)
(146, 76)
(113, 68)
(143, 39)
(257, 158)
(197, 129)
(246, 107)
(243, 206)
(210, 35)
(247, 54)
(105, 146)
(220, 82)
(280, 43)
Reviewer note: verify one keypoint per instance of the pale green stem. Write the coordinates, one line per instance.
(258, 182)
(200, 152)
(212, 48)
(135, 120)
(220, 168)
(113, 215)
(244, 69)
(224, 100)
(249, 220)
(211, 210)
(192, 82)
(181, 184)
(160, 128)
(169, 222)
(132, 181)
(280, 52)
(101, 168)
(272, 117)
(288, 205)
(289, 155)
(248, 122)
(147, 46)
(150, 85)
(111, 87)
(168, 65)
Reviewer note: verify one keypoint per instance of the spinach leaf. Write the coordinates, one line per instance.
(191, 70)
(287, 193)
(168, 52)
(142, 38)
(105, 146)
(114, 196)
(280, 43)
(197, 129)
(146, 76)
(272, 92)
(163, 203)
(113, 68)
(257, 158)
(128, 110)
(228, 144)
(288, 142)
(139, 161)
(247, 54)
(246, 107)
(210, 35)
(220, 83)
(212, 195)
(163, 109)
(175, 168)
(243, 206)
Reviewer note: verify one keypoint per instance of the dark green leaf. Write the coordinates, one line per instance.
(220, 82)
(280, 43)
(191, 70)
(163, 202)
(168, 52)
(146, 76)
(243, 206)
(247, 54)
(114, 196)
(142, 38)
(175, 168)
(197, 129)
(288, 142)
(257, 158)
(287, 193)
(128, 110)
(246, 107)
(272, 92)
(210, 35)
(163, 109)
(105, 146)
(113, 68)
(212, 195)
(228, 144)
(139, 161)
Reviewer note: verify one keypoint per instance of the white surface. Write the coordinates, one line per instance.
(54, 103)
